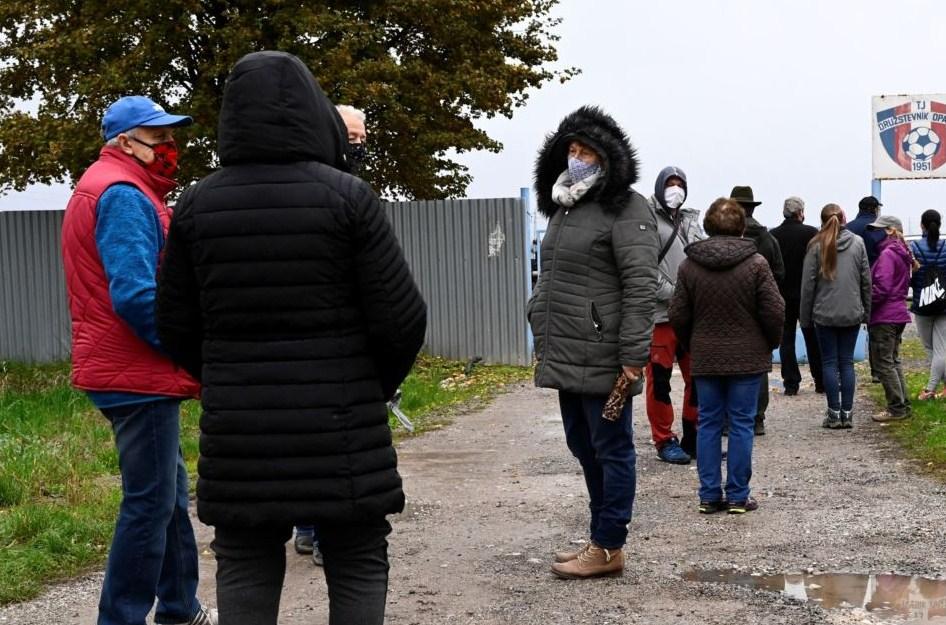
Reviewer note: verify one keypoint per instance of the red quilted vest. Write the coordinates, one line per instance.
(106, 353)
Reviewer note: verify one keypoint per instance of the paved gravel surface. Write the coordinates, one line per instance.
(492, 496)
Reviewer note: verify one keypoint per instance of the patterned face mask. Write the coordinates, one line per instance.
(578, 169)
(165, 157)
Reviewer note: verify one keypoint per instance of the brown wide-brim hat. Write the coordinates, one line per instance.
(743, 195)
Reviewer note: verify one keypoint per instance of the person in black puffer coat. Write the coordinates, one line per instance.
(284, 290)
(592, 315)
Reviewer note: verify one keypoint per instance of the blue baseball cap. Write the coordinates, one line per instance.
(136, 110)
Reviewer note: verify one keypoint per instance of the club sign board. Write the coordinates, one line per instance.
(909, 132)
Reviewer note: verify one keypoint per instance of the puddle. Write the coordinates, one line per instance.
(920, 600)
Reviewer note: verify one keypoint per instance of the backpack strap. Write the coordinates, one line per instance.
(673, 236)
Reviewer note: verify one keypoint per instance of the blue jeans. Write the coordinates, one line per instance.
(837, 355)
(736, 396)
(605, 450)
(308, 530)
(154, 553)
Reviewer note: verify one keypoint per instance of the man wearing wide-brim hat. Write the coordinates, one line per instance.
(769, 249)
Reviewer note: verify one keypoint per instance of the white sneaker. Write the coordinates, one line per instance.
(204, 616)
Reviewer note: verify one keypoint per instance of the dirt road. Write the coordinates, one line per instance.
(493, 495)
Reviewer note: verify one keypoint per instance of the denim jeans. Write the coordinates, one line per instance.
(605, 450)
(308, 530)
(251, 565)
(837, 357)
(153, 552)
(736, 396)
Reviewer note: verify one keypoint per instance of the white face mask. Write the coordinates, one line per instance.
(674, 197)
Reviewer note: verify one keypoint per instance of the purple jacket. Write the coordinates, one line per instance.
(891, 283)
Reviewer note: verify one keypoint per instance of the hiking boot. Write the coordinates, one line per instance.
(741, 507)
(846, 420)
(594, 561)
(712, 507)
(819, 389)
(790, 391)
(759, 428)
(832, 419)
(303, 543)
(568, 556)
(317, 555)
(672, 453)
(886, 417)
(203, 617)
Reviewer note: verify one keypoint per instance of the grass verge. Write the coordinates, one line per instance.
(924, 434)
(59, 485)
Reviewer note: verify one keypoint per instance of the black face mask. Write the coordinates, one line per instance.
(356, 156)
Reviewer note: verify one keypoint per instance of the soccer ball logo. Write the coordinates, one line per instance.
(921, 144)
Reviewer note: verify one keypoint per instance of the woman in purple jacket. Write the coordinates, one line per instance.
(890, 279)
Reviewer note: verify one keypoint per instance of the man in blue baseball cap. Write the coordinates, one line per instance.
(113, 235)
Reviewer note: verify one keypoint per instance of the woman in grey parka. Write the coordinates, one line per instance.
(593, 313)
(835, 300)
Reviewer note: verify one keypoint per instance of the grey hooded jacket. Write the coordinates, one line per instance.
(593, 308)
(844, 301)
(689, 231)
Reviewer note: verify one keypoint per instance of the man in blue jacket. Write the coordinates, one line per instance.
(868, 210)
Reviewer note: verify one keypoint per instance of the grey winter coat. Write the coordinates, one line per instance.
(688, 232)
(593, 308)
(844, 301)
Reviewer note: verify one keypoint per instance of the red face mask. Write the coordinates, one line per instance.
(165, 157)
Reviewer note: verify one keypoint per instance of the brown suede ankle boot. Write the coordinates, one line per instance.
(594, 561)
(568, 556)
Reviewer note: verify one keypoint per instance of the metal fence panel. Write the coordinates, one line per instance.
(468, 256)
(470, 261)
(34, 314)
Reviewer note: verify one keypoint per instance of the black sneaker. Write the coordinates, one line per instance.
(790, 391)
(741, 507)
(759, 428)
(712, 507)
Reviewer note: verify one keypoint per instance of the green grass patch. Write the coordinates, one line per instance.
(437, 388)
(59, 486)
(923, 435)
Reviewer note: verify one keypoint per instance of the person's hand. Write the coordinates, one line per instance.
(633, 373)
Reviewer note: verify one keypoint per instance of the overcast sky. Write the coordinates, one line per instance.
(774, 94)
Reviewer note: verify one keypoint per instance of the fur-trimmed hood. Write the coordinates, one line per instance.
(598, 130)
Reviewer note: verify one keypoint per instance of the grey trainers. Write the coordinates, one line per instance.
(846, 421)
(303, 543)
(832, 419)
(317, 555)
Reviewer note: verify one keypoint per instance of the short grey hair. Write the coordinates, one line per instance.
(793, 206)
(348, 109)
(131, 132)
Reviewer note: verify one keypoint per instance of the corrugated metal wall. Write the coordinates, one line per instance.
(469, 260)
(468, 257)
(34, 315)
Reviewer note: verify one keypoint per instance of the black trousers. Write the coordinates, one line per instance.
(791, 376)
(251, 565)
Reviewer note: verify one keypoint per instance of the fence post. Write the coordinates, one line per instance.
(526, 197)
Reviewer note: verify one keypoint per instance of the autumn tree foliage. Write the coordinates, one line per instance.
(423, 70)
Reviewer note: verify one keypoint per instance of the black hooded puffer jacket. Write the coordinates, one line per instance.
(284, 289)
(593, 309)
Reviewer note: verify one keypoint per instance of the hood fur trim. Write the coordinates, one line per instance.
(597, 129)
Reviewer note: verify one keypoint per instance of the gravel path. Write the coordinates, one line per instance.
(493, 495)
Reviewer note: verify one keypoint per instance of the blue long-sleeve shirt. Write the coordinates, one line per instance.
(129, 238)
